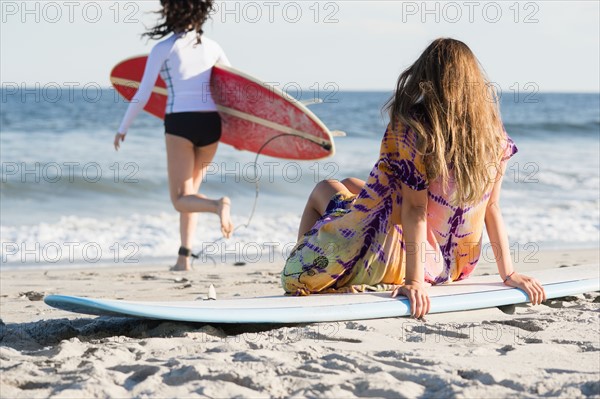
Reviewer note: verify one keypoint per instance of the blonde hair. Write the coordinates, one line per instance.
(446, 99)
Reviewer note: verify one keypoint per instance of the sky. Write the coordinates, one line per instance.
(546, 46)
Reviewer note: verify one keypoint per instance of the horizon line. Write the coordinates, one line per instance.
(350, 90)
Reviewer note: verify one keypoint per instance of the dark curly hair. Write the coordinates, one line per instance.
(181, 16)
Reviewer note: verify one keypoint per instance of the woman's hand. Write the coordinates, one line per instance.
(418, 297)
(119, 137)
(531, 286)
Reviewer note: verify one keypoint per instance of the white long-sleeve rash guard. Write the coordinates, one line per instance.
(186, 67)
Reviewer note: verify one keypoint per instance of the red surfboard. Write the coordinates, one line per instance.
(253, 112)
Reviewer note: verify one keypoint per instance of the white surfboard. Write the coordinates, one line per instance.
(474, 293)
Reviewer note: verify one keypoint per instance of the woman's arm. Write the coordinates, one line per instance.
(157, 57)
(496, 230)
(414, 230)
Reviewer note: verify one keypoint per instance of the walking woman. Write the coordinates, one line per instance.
(419, 218)
(192, 126)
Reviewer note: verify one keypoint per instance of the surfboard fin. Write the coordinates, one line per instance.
(212, 293)
(311, 102)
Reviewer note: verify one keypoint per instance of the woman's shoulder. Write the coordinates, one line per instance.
(210, 43)
(400, 135)
(165, 45)
(399, 156)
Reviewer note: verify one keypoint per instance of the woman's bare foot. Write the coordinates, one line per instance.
(223, 211)
(183, 264)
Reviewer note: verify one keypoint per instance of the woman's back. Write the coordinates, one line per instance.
(185, 65)
(186, 69)
(454, 232)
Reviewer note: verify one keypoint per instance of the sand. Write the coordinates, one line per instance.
(551, 350)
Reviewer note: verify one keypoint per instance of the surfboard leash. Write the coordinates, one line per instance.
(326, 146)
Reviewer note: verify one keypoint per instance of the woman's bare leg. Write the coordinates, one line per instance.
(320, 197)
(353, 184)
(186, 167)
(317, 203)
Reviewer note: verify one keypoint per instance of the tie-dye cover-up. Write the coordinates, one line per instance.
(358, 245)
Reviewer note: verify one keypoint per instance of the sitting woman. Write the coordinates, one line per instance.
(418, 219)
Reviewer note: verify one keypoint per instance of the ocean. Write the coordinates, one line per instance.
(67, 198)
